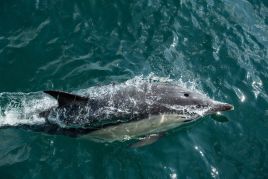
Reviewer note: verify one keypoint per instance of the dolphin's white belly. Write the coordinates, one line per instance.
(124, 131)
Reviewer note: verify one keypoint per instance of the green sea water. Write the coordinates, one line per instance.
(219, 47)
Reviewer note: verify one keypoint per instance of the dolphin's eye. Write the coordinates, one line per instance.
(186, 94)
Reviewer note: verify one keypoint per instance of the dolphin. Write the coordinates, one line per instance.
(126, 111)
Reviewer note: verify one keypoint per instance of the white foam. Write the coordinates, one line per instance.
(23, 108)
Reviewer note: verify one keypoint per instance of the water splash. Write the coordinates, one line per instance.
(23, 108)
(239, 94)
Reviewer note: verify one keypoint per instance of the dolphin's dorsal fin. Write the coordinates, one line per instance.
(67, 98)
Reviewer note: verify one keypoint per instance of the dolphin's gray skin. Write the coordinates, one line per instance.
(127, 111)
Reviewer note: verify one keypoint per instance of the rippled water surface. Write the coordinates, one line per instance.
(218, 47)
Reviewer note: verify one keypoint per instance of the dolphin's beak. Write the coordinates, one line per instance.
(217, 107)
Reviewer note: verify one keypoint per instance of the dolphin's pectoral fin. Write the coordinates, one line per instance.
(150, 139)
(67, 98)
